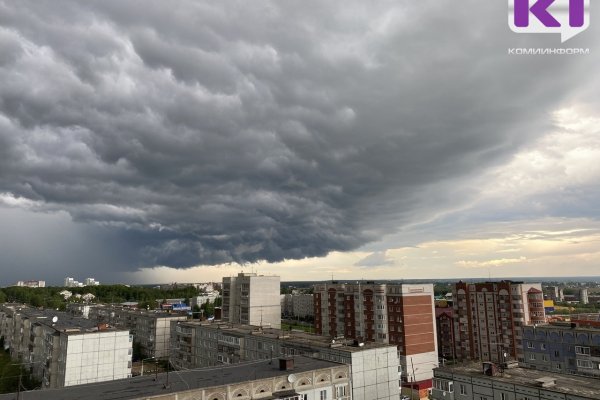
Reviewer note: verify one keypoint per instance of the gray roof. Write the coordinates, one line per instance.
(146, 386)
(572, 384)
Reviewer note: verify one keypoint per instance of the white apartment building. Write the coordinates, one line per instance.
(252, 299)
(31, 284)
(65, 351)
(374, 371)
(71, 282)
(208, 297)
(91, 282)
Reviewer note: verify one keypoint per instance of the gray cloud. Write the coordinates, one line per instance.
(208, 132)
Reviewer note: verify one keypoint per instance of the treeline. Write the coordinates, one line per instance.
(50, 297)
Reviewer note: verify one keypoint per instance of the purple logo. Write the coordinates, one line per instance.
(567, 17)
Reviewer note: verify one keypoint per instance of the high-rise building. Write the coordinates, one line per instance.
(445, 332)
(252, 299)
(489, 318)
(398, 314)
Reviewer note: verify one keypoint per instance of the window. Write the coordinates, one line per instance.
(530, 345)
(584, 364)
(582, 350)
(323, 395)
(543, 346)
(532, 357)
(341, 391)
(503, 396)
(463, 389)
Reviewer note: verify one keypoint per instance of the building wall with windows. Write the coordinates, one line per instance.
(563, 348)
(65, 351)
(375, 373)
(489, 318)
(398, 314)
(468, 382)
(252, 299)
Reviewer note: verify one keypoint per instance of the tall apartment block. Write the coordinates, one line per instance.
(252, 299)
(445, 332)
(397, 314)
(489, 318)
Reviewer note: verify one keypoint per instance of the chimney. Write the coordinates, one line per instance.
(286, 364)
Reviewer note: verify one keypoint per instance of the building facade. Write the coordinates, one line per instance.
(297, 305)
(63, 351)
(445, 332)
(488, 382)
(398, 314)
(151, 329)
(252, 299)
(374, 366)
(562, 348)
(489, 319)
(31, 284)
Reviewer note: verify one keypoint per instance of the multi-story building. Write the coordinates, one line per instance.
(63, 351)
(562, 347)
(151, 329)
(445, 332)
(31, 284)
(297, 305)
(208, 297)
(487, 381)
(489, 317)
(71, 282)
(200, 344)
(584, 296)
(252, 299)
(91, 282)
(399, 314)
(298, 378)
(554, 293)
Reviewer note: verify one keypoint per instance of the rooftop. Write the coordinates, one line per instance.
(65, 322)
(571, 384)
(294, 336)
(146, 386)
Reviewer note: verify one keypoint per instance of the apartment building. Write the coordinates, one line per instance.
(398, 314)
(31, 284)
(208, 297)
(475, 381)
(297, 378)
(562, 348)
(151, 329)
(200, 344)
(489, 318)
(252, 299)
(298, 305)
(445, 332)
(63, 351)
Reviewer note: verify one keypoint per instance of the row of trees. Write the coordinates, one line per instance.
(50, 297)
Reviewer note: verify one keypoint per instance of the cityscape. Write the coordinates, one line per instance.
(299, 200)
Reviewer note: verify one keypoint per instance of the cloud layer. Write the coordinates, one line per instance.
(207, 133)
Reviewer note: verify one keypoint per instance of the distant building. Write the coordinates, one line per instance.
(489, 318)
(554, 293)
(563, 348)
(71, 282)
(252, 299)
(31, 284)
(489, 382)
(297, 305)
(398, 314)
(374, 371)
(208, 297)
(91, 282)
(63, 350)
(584, 296)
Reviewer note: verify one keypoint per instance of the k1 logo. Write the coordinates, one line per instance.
(567, 17)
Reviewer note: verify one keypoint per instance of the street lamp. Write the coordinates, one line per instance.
(145, 359)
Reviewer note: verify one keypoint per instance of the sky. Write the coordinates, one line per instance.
(149, 141)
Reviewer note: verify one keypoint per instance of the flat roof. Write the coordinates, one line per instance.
(66, 322)
(146, 386)
(565, 383)
(294, 336)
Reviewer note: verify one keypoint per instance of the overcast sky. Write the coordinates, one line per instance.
(153, 141)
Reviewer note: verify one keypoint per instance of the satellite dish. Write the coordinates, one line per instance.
(54, 319)
(292, 378)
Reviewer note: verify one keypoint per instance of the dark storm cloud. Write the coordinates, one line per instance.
(209, 132)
